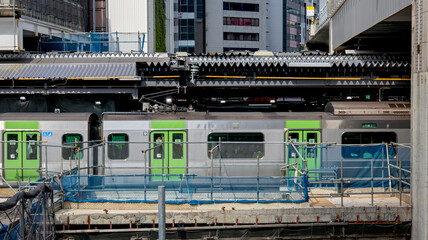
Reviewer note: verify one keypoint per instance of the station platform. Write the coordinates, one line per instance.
(356, 208)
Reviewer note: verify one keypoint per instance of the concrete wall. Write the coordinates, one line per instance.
(9, 35)
(171, 22)
(419, 119)
(356, 16)
(129, 16)
(214, 26)
(274, 29)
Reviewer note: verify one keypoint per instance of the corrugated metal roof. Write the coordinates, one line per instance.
(304, 61)
(163, 58)
(68, 70)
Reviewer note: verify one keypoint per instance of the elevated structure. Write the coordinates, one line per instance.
(261, 77)
(22, 22)
(362, 25)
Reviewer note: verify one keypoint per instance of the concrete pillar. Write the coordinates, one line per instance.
(330, 37)
(161, 213)
(419, 119)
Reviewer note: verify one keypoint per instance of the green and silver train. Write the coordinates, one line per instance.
(201, 143)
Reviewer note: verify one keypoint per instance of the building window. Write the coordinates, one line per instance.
(72, 141)
(236, 145)
(187, 5)
(360, 138)
(233, 6)
(186, 49)
(240, 36)
(118, 147)
(241, 21)
(240, 49)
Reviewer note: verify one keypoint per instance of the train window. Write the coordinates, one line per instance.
(118, 148)
(365, 138)
(72, 140)
(243, 148)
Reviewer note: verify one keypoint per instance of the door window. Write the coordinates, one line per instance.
(177, 148)
(32, 148)
(294, 137)
(159, 138)
(12, 146)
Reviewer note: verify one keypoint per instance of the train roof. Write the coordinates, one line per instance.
(43, 116)
(368, 108)
(133, 116)
(208, 115)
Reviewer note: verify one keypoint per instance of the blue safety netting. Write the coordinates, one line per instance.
(359, 164)
(180, 189)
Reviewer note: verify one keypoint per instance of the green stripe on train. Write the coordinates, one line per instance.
(168, 124)
(303, 124)
(21, 125)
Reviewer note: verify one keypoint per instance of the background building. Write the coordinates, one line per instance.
(185, 26)
(22, 22)
(288, 25)
(236, 25)
(136, 16)
(294, 25)
(98, 18)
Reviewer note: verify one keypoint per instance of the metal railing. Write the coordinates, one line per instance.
(388, 173)
(30, 213)
(94, 42)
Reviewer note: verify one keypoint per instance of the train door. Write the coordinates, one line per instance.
(169, 154)
(309, 151)
(21, 155)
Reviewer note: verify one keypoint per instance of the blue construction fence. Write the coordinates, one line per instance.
(358, 165)
(93, 42)
(350, 166)
(189, 189)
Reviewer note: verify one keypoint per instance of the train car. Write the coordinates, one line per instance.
(22, 133)
(201, 143)
(180, 143)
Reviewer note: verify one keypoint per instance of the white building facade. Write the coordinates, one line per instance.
(235, 25)
(274, 25)
(132, 16)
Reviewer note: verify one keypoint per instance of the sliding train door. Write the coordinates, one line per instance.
(306, 143)
(168, 155)
(21, 155)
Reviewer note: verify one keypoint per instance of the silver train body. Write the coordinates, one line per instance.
(242, 143)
